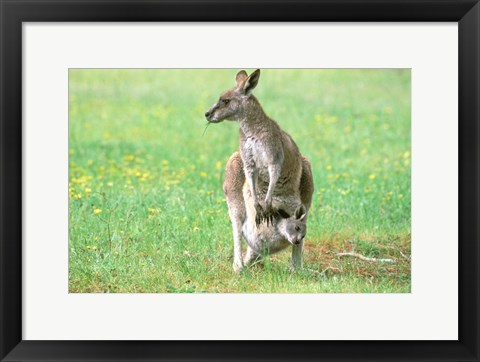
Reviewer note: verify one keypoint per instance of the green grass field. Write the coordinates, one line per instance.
(146, 207)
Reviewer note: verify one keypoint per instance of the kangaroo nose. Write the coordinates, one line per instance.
(207, 114)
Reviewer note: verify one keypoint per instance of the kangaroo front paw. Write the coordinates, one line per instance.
(270, 214)
(260, 213)
(265, 213)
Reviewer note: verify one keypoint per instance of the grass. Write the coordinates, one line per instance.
(146, 207)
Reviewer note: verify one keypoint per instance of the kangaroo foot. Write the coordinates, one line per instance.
(293, 269)
(237, 266)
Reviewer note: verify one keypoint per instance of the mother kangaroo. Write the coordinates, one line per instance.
(271, 163)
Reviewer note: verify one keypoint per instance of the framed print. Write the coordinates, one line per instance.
(340, 222)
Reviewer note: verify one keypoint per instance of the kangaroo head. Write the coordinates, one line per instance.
(231, 104)
(293, 227)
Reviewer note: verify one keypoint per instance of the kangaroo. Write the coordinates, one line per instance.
(271, 159)
(286, 228)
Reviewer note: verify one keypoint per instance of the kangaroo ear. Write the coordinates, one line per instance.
(251, 82)
(283, 213)
(241, 77)
(300, 213)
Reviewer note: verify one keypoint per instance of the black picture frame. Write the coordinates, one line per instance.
(14, 12)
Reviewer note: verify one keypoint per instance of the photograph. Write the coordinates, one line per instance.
(239, 180)
(152, 190)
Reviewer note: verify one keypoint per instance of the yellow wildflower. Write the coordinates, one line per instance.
(328, 168)
(96, 210)
(371, 177)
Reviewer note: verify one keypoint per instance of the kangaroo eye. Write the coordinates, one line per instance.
(226, 101)
(297, 228)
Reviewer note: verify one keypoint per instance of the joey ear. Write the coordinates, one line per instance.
(241, 77)
(283, 214)
(300, 213)
(251, 82)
